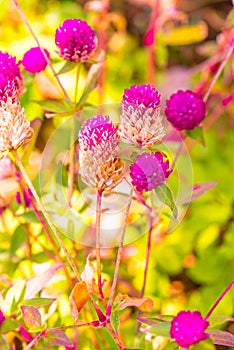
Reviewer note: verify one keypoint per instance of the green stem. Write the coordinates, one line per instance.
(44, 212)
(118, 259)
(98, 249)
(24, 18)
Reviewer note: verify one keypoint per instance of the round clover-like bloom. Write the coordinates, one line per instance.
(11, 80)
(149, 171)
(34, 60)
(76, 40)
(185, 110)
(15, 130)
(100, 165)
(141, 123)
(188, 328)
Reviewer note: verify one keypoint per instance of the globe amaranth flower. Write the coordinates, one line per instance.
(11, 79)
(149, 171)
(140, 121)
(188, 328)
(34, 61)
(15, 130)
(185, 110)
(76, 40)
(100, 165)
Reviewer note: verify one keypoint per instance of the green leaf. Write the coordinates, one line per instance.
(162, 328)
(38, 302)
(165, 195)
(67, 67)
(52, 106)
(8, 325)
(29, 217)
(115, 322)
(218, 320)
(18, 238)
(84, 96)
(40, 257)
(197, 134)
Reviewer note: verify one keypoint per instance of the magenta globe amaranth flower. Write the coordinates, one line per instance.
(100, 163)
(188, 328)
(141, 123)
(34, 61)
(185, 110)
(11, 79)
(76, 40)
(149, 171)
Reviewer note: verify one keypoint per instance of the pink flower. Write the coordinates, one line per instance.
(185, 110)
(100, 163)
(34, 60)
(76, 40)
(188, 328)
(149, 171)
(11, 79)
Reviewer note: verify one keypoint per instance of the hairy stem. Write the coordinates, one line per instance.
(98, 249)
(44, 212)
(118, 259)
(221, 66)
(72, 141)
(24, 18)
(219, 299)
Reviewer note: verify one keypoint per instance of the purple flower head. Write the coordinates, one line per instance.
(11, 80)
(188, 328)
(76, 40)
(98, 130)
(34, 60)
(142, 95)
(185, 110)
(149, 171)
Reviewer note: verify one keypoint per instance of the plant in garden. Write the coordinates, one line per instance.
(35, 315)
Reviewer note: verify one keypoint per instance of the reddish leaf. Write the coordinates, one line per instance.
(143, 304)
(222, 338)
(37, 283)
(57, 337)
(78, 298)
(31, 316)
(197, 191)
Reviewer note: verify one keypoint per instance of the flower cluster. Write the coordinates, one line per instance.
(34, 61)
(11, 80)
(76, 40)
(15, 130)
(141, 123)
(185, 110)
(188, 328)
(100, 165)
(149, 171)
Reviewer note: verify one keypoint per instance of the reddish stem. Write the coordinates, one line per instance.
(219, 299)
(228, 53)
